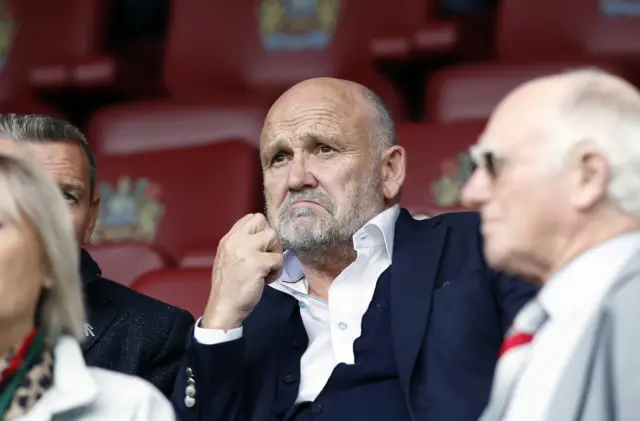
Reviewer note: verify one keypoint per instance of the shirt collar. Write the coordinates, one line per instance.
(588, 277)
(378, 231)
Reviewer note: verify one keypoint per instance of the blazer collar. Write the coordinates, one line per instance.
(89, 269)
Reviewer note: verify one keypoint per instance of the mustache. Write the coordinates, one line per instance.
(306, 195)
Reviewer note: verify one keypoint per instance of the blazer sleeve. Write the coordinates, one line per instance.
(512, 294)
(216, 372)
(162, 370)
(621, 344)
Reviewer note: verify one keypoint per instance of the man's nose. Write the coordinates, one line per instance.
(476, 190)
(300, 175)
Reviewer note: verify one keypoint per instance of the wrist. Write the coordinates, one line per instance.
(222, 320)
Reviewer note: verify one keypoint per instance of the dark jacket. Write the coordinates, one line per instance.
(448, 315)
(130, 332)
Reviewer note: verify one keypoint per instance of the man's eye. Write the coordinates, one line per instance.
(278, 158)
(70, 198)
(326, 149)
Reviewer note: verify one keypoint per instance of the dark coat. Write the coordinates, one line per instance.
(133, 333)
(448, 310)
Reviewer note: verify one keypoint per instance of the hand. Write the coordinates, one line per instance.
(248, 257)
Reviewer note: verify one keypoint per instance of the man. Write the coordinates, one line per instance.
(344, 333)
(126, 331)
(558, 183)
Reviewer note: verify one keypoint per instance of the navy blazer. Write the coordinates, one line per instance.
(449, 313)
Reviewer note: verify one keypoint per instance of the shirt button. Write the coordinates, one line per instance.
(343, 325)
(316, 408)
(288, 379)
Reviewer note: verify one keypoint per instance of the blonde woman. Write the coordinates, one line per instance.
(43, 373)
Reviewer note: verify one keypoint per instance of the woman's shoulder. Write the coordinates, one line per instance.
(134, 396)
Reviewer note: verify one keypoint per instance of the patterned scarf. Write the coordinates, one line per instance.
(27, 373)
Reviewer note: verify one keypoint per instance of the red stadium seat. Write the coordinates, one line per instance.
(184, 288)
(544, 29)
(177, 198)
(17, 54)
(261, 47)
(437, 165)
(65, 45)
(471, 91)
(198, 257)
(124, 262)
(168, 124)
(54, 35)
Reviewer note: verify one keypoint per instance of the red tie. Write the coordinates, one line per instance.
(515, 340)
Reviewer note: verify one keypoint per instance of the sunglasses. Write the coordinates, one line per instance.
(486, 160)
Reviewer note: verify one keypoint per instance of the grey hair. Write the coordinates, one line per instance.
(30, 195)
(42, 129)
(384, 130)
(603, 110)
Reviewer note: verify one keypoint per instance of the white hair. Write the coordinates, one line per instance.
(602, 110)
(29, 194)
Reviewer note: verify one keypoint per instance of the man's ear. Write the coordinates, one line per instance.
(94, 213)
(393, 171)
(591, 174)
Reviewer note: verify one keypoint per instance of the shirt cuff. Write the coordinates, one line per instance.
(215, 336)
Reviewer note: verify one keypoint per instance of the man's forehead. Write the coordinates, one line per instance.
(306, 116)
(64, 160)
(522, 113)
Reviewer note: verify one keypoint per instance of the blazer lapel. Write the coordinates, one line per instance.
(416, 254)
(101, 312)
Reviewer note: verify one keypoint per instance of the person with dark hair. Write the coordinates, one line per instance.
(127, 331)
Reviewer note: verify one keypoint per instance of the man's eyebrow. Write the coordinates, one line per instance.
(72, 186)
(271, 148)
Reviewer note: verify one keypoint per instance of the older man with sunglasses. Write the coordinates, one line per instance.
(558, 187)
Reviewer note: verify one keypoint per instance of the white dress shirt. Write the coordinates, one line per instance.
(332, 326)
(571, 299)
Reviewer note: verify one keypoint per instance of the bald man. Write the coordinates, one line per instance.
(368, 314)
(558, 188)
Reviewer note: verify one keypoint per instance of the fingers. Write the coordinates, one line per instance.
(256, 223)
(241, 222)
(270, 264)
(267, 240)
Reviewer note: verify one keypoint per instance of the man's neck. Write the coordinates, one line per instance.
(589, 238)
(322, 268)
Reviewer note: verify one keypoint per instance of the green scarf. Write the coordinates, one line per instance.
(32, 357)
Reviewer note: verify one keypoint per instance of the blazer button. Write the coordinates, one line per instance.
(189, 402)
(189, 372)
(190, 391)
(288, 379)
(316, 408)
(191, 381)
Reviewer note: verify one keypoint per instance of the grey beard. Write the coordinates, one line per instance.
(328, 233)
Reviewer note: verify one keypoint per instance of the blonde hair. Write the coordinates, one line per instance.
(30, 194)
